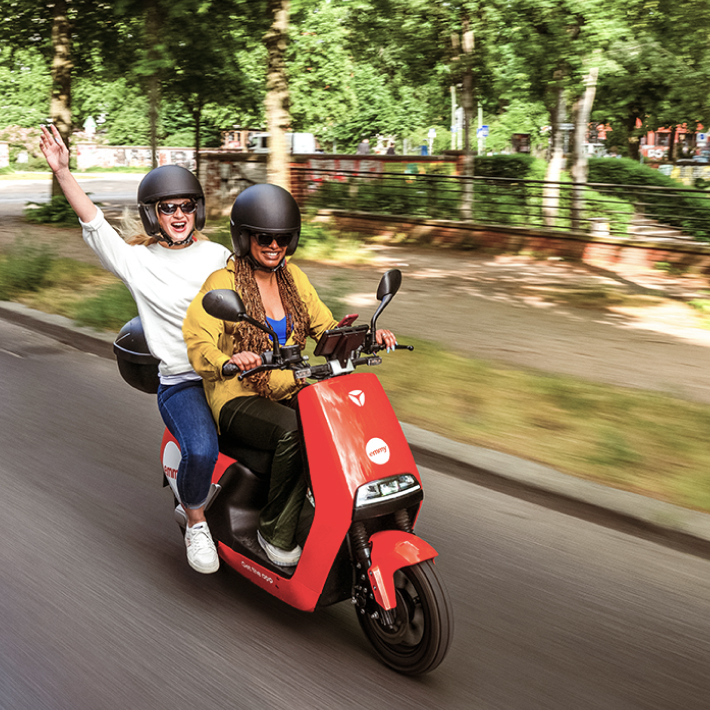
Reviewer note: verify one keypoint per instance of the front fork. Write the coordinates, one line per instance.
(376, 559)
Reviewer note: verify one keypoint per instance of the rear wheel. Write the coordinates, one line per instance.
(419, 638)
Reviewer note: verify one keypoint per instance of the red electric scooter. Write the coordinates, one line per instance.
(364, 496)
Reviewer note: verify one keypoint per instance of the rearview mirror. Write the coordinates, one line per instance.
(389, 284)
(225, 304)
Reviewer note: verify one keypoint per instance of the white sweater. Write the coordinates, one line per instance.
(163, 283)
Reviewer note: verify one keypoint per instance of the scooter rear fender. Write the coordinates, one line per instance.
(392, 550)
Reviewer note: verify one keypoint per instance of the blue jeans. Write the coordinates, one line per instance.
(189, 419)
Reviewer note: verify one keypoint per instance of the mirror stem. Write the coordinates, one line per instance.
(266, 329)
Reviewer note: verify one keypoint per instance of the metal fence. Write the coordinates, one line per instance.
(624, 211)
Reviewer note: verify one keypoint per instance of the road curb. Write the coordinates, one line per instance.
(60, 328)
(670, 523)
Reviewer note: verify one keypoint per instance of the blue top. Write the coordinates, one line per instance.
(279, 327)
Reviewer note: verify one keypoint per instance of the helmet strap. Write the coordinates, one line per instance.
(164, 237)
(259, 267)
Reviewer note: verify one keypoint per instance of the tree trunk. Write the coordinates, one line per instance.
(632, 140)
(672, 144)
(551, 191)
(62, 65)
(277, 98)
(152, 28)
(579, 154)
(197, 118)
(467, 104)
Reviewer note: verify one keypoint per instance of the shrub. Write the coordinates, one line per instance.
(618, 212)
(56, 211)
(688, 210)
(517, 166)
(23, 268)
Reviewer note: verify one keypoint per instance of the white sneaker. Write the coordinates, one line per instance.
(201, 552)
(180, 516)
(282, 558)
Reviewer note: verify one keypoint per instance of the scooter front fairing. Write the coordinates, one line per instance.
(353, 439)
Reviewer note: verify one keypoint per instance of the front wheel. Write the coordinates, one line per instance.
(420, 636)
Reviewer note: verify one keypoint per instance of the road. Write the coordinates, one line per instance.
(98, 608)
(116, 189)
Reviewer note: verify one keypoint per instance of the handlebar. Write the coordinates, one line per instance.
(376, 347)
(301, 369)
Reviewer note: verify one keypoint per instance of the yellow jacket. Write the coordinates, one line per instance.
(209, 346)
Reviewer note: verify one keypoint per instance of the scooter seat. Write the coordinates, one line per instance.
(257, 460)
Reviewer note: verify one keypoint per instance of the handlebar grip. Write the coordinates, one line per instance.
(229, 369)
(377, 347)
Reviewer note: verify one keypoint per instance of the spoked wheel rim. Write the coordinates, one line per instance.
(420, 636)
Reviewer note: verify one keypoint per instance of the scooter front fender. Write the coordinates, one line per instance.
(392, 550)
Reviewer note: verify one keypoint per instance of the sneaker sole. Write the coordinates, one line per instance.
(269, 554)
(211, 569)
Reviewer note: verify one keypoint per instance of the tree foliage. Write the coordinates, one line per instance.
(185, 69)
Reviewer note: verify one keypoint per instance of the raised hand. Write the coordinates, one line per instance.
(53, 148)
(57, 156)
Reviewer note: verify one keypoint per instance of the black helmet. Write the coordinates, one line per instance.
(136, 363)
(264, 208)
(164, 182)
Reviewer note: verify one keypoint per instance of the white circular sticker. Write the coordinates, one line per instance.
(171, 459)
(377, 451)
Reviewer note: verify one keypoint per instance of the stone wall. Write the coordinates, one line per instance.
(224, 174)
(92, 155)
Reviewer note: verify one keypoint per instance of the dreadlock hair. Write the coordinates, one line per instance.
(255, 340)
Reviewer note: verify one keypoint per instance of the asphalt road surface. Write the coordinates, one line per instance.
(99, 610)
(116, 190)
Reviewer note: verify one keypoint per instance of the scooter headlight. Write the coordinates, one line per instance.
(386, 489)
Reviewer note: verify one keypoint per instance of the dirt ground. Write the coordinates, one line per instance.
(515, 310)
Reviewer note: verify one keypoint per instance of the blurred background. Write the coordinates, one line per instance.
(492, 77)
(542, 173)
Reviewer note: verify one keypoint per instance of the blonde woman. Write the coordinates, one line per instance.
(163, 270)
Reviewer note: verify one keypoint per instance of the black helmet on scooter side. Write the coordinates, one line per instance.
(137, 365)
(165, 182)
(265, 209)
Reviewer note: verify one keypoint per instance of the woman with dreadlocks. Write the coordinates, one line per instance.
(257, 412)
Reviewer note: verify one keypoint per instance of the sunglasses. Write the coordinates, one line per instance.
(264, 240)
(172, 207)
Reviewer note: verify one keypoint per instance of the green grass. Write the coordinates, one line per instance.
(631, 439)
(109, 309)
(23, 267)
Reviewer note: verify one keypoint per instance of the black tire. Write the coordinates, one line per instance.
(424, 623)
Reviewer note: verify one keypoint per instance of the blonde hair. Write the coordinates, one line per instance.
(131, 230)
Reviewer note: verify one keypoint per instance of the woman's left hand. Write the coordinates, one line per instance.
(386, 337)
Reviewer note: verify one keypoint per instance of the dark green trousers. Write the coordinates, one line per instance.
(260, 423)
